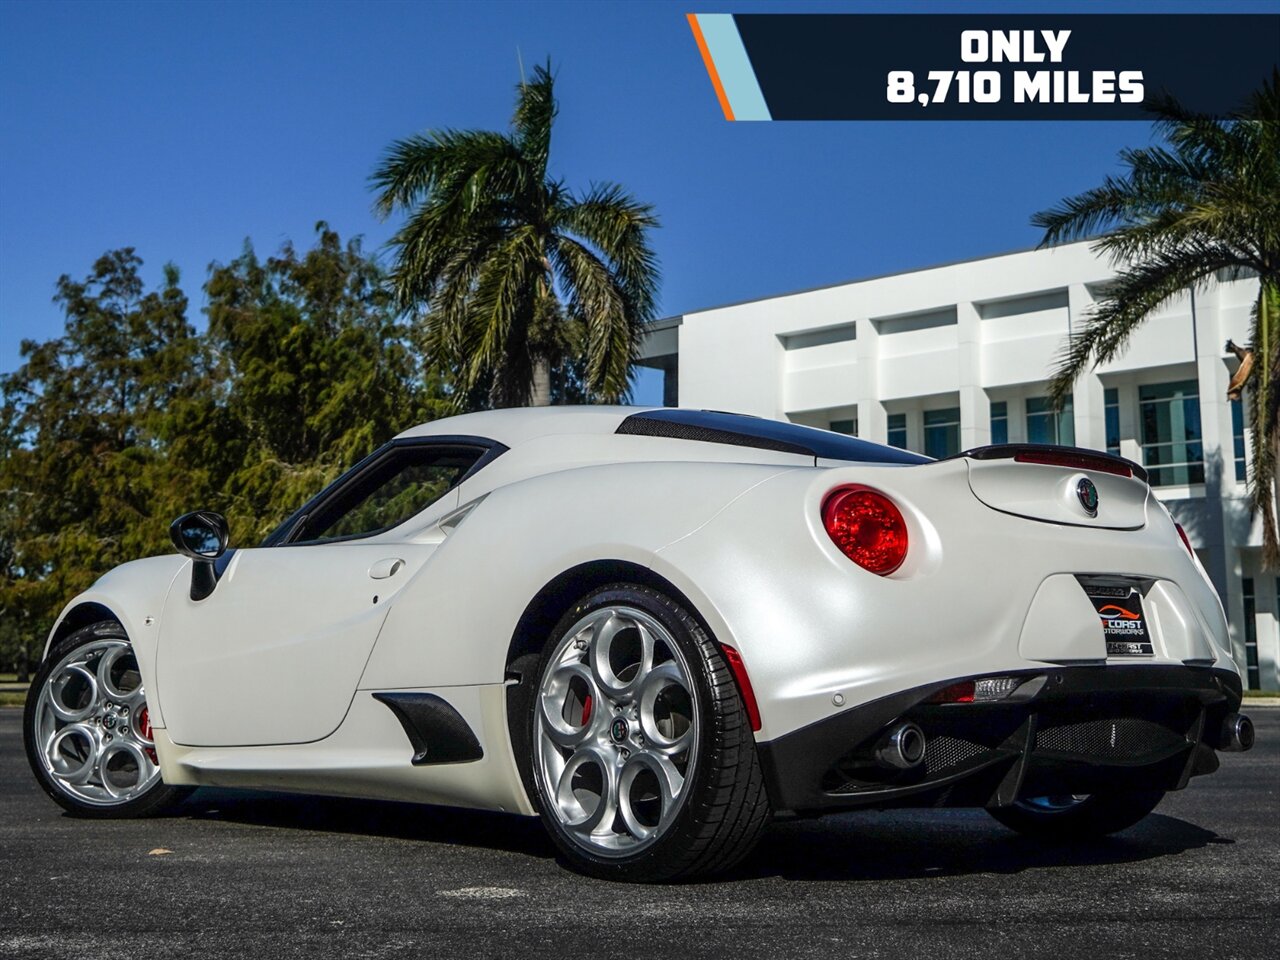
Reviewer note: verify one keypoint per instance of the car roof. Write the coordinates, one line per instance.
(515, 426)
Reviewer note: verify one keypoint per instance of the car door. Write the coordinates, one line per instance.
(273, 655)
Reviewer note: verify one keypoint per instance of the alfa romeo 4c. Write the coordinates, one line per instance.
(656, 629)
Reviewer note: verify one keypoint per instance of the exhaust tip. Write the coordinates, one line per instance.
(902, 747)
(1237, 733)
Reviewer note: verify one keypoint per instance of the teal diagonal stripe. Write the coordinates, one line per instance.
(734, 67)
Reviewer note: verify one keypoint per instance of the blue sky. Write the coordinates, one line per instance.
(183, 128)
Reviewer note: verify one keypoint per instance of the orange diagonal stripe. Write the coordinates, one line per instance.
(711, 66)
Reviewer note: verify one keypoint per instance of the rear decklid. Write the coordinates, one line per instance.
(1066, 485)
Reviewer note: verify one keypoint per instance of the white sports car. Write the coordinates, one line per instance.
(656, 629)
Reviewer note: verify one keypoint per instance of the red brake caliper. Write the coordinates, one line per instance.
(144, 730)
(586, 711)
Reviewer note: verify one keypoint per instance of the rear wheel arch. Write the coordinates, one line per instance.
(559, 595)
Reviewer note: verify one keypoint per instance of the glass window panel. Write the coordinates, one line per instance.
(1172, 454)
(400, 485)
(898, 430)
(1237, 437)
(1000, 422)
(1045, 426)
(1250, 634)
(847, 427)
(1111, 408)
(1169, 420)
(942, 432)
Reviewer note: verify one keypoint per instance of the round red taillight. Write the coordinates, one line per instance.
(867, 528)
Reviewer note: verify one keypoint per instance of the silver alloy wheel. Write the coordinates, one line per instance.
(617, 731)
(92, 728)
(1054, 804)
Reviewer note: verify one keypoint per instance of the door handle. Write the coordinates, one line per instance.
(386, 568)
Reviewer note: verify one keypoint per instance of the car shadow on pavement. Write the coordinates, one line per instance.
(850, 847)
(377, 818)
(921, 844)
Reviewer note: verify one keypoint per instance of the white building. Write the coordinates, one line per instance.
(956, 356)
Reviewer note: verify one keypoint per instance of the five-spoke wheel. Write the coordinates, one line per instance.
(642, 761)
(618, 725)
(88, 730)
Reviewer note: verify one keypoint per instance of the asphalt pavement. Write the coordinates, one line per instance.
(276, 876)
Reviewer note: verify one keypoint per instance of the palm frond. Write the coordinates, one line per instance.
(1264, 417)
(415, 167)
(599, 300)
(618, 225)
(499, 315)
(534, 117)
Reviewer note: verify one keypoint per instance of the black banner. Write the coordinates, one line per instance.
(1005, 67)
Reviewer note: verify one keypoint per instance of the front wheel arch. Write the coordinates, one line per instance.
(80, 616)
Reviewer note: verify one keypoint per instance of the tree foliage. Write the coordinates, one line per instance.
(517, 276)
(133, 417)
(1201, 206)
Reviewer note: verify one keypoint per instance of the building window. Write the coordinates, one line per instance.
(1237, 436)
(847, 427)
(898, 430)
(1045, 426)
(819, 338)
(1172, 450)
(1111, 407)
(942, 432)
(1250, 635)
(1000, 422)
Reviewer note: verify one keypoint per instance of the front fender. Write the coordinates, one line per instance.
(133, 593)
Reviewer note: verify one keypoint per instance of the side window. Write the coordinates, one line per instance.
(402, 483)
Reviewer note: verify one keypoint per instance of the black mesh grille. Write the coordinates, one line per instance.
(942, 753)
(1118, 738)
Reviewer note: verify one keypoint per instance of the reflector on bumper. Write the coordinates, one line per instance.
(986, 690)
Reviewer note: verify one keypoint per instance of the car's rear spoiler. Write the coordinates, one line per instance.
(1057, 456)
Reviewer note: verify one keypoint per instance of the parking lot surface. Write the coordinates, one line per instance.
(276, 876)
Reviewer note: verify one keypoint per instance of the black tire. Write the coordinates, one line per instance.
(1096, 815)
(155, 799)
(724, 807)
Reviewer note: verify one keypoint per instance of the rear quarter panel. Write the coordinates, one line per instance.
(452, 626)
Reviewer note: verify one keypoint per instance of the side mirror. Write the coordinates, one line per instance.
(203, 537)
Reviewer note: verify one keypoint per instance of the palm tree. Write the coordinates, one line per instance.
(1203, 206)
(514, 272)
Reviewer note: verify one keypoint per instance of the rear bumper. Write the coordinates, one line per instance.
(1085, 728)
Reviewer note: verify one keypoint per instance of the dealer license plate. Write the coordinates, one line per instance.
(1124, 625)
